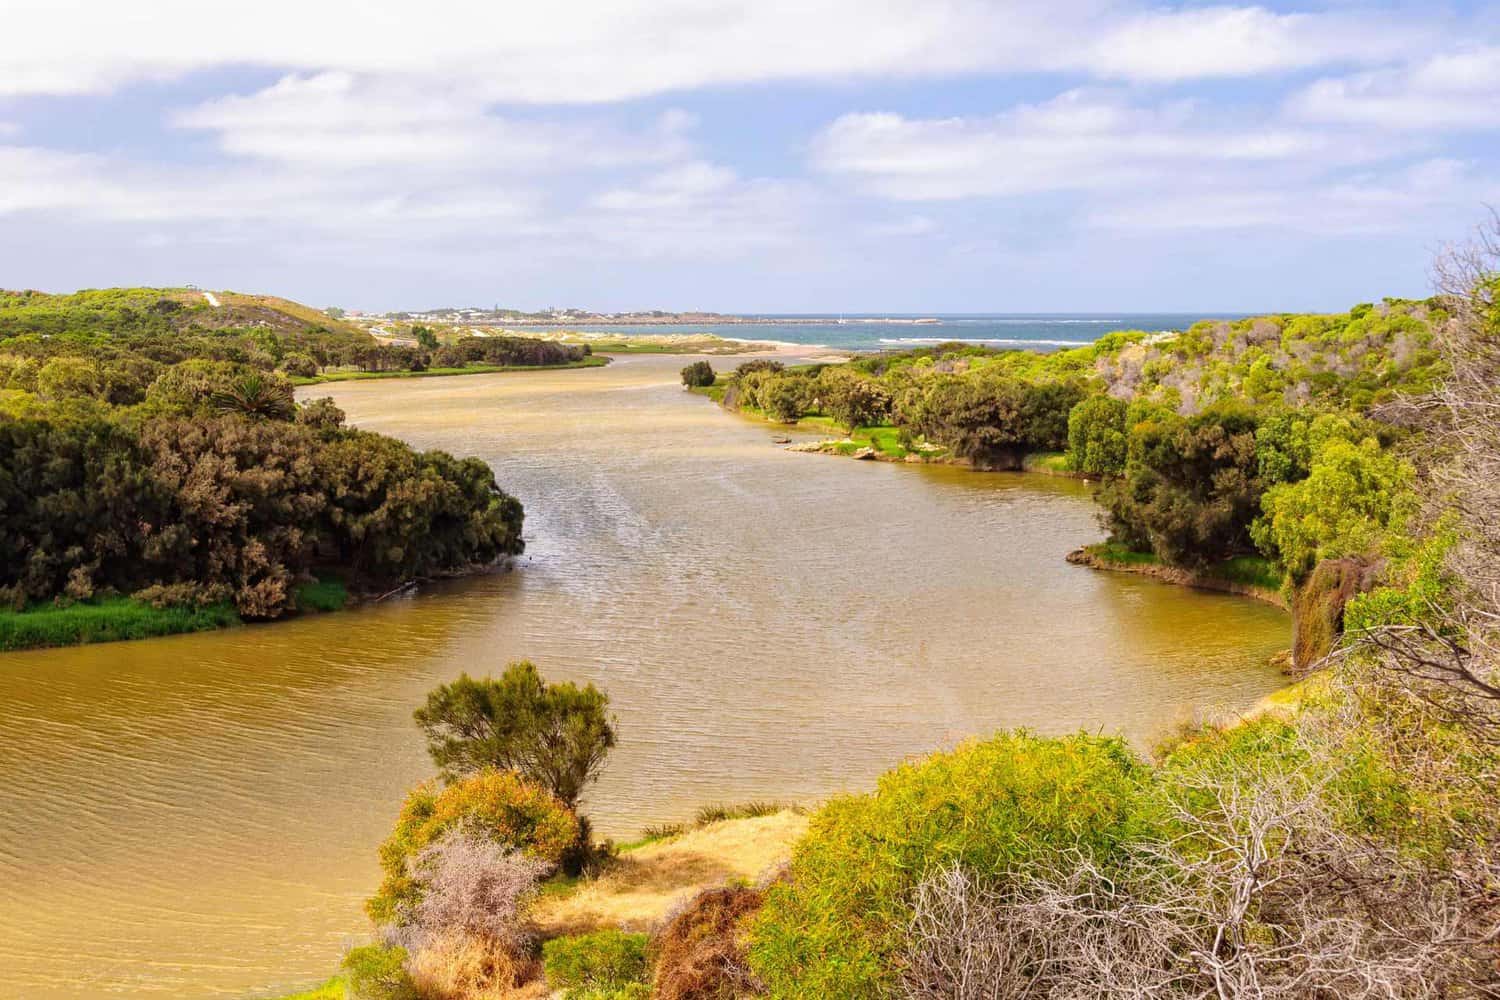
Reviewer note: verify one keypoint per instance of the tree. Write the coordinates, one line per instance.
(426, 339)
(557, 735)
(1351, 495)
(784, 397)
(1096, 436)
(992, 420)
(1191, 487)
(698, 374)
(851, 399)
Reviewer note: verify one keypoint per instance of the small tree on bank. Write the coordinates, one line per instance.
(698, 374)
(554, 734)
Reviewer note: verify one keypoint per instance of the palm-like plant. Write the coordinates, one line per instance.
(257, 396)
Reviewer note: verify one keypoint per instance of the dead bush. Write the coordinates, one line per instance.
(699, 954)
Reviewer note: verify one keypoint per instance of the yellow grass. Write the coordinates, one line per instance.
(648, 881)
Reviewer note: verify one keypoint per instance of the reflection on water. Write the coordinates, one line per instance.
(197, 816)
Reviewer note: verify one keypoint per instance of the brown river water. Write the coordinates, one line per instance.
(197, 816)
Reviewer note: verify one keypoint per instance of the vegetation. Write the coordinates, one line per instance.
(106, 620)
(586, 964)
(557, 735)
(498, 807)
(698, 374)
(157, 475)
(700, 950)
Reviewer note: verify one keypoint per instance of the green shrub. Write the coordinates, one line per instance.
(377, 973)
(498, 806)
(1096, 436)
(836, 925)
(603, 960)
(698, 374)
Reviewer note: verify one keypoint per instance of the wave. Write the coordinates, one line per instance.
(1022, 341)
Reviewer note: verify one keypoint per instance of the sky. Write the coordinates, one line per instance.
(902, 156)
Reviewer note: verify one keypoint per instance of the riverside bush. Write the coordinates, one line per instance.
(698, 374)
(496, 806)
(586, 963)
(374, 972)
(1016, 801)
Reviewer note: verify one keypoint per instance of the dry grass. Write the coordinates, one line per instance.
(646, 883)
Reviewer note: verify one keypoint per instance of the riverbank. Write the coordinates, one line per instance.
(653, 877)
(1247, 576)
(591, 361)
(118, 619)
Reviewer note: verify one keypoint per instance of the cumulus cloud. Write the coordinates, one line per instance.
(600, 52)
(1455, 90)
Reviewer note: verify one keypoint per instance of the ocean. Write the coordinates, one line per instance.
(1043, 331)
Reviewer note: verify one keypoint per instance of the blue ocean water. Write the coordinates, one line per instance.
(893, 332)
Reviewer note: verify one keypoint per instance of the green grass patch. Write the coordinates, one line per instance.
(706, 816)
(326, 593)
(1048, 461)
(105, 620)
(332, 990)
(1252, 571)
(592, 361)
(1117, 553)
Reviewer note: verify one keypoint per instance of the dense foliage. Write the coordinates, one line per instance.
(698, 374)
(1190, 430)
(836, 925)
(149, 447)
(557, 735)
(498, 807)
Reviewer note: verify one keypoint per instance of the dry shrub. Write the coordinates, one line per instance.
(700, 952)
(456, 965)
(1259, 894)
(468, 936)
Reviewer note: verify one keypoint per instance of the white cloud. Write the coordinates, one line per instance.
(1368, 203)
(337, 120)
(1079, 141)
(610, 51)
(1455, 90)
(1225, 41)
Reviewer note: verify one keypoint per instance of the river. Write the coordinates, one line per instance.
(197, 816)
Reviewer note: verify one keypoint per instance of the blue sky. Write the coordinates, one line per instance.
(825, 155)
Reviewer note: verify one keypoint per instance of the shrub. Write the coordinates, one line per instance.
(378, 973)
(837, 925)
(1096, 436)
(851, 399)
(699, 954)
(697, 374)
(299, 365)
(475, 887)
(557, 735)
(499, 807)
(604, 959)
(785, 397)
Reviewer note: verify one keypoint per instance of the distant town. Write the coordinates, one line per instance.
(583, 317)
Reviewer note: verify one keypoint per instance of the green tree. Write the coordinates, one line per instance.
(784, 397)
(426, 339)
(1191, 487)
(557, 735)
(1096, 436)
(697, 374)
(1352, 494)
(852, 399)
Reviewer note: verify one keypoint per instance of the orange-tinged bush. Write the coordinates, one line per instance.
(498, 806)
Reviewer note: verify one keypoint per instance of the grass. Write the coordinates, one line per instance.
(1116, 553)
(592, 361)
(647, 880)
(706, 816)
(105, 620)
(1249, 571)
(1047, 461)
(331, 990)
(1252, 571)
(327, 593)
